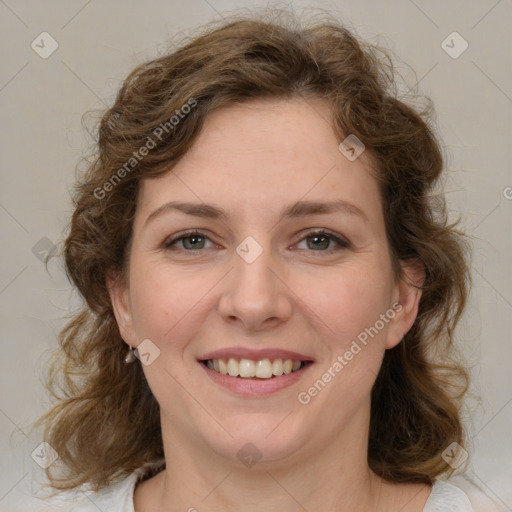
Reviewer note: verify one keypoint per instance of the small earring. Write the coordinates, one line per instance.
(130, 356)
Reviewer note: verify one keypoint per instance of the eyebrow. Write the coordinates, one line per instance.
(298, 209)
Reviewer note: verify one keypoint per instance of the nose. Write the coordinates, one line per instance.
(255, 293)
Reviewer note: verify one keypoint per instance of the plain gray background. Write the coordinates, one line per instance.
(42, 101)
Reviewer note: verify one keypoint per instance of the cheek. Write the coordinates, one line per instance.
(338, 303)
(349, 300)
(164, 300)
(350, 303)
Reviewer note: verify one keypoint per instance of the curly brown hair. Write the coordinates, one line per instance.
(105, 422)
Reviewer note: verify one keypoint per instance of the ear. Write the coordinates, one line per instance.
(119, 296)
(406, 296)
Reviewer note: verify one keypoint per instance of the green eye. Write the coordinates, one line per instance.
(190, 241)
(320, 241)
(317, 241)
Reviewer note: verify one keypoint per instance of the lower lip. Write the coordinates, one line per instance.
(256, 386)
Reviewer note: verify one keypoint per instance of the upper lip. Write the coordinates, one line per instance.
(254, 354)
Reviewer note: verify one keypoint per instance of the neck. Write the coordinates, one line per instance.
(187, 484)
(334, 478)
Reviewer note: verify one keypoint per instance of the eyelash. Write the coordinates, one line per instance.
(343, 243)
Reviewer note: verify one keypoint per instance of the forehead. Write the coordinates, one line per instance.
(297, 127)
(252, 156)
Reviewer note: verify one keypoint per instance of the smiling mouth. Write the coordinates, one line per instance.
(261, 369)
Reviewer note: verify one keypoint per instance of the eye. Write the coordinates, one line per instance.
(318, 241)
(190, 241)
(321, 240)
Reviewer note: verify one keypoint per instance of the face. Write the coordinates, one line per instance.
(263, 244)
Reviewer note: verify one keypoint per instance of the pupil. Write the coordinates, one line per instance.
(192, 240)
(316, 238)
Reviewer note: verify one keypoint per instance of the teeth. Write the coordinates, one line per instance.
(264, 369)
(277, 367)
(233, 367)
(247, 368)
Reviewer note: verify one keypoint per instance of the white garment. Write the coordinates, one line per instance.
(444, 497)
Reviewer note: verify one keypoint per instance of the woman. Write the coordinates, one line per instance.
(259, 225)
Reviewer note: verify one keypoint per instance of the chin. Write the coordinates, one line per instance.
(260, 438)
